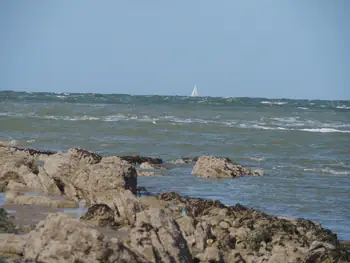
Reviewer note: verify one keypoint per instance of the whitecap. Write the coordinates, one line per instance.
(326, 171)
(274, 102)
(343, 107)
(324, 130)
(257, 158)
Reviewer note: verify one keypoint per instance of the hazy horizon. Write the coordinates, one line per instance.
(292, 50)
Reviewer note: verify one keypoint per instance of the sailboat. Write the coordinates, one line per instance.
(194, 92)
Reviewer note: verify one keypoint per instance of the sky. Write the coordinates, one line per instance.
(272, 49)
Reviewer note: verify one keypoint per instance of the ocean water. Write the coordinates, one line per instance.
(303, 145)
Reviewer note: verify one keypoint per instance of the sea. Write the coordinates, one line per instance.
(302, 145)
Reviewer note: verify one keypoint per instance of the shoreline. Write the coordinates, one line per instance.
(108, 186)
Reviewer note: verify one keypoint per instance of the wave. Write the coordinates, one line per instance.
(343, 107)
(275, 123)
(324, 130)
(257, 158)
(327, 171)
(274, 102)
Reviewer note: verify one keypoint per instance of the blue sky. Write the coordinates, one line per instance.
(274, 49)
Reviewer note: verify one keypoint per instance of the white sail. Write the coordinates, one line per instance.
(194, 92)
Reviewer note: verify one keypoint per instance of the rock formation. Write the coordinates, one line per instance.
(215, 167)
(159, 228)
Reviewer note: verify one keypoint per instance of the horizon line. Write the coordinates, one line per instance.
(173, 95)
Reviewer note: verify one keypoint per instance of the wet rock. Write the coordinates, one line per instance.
(255, 237)
(157, 236)
(142, 191)
(194, 206)
(215, 167)
(99, 215)
(61, 239)
(141, 159)
(313, 231)
(33, 152)
(87, 156)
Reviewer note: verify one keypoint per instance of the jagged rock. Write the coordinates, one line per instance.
(21, 167)
(194, 206)
(253, 235)
(80, 174)
(215, 167)
(87, 156)
(186, 225)
(110, 173)
(60, 239)
(124, 204)
(99, 215)
(32, 151)
(141, 159)
(157, 236)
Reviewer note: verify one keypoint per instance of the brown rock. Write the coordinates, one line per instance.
(99, 215)
(124, 204)
(21, 167)
(110, 174)
(157, 236)
(60, 239)
(215, 167)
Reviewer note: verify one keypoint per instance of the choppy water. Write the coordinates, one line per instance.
(303, 145)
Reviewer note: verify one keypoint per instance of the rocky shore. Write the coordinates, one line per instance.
(123, 223)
